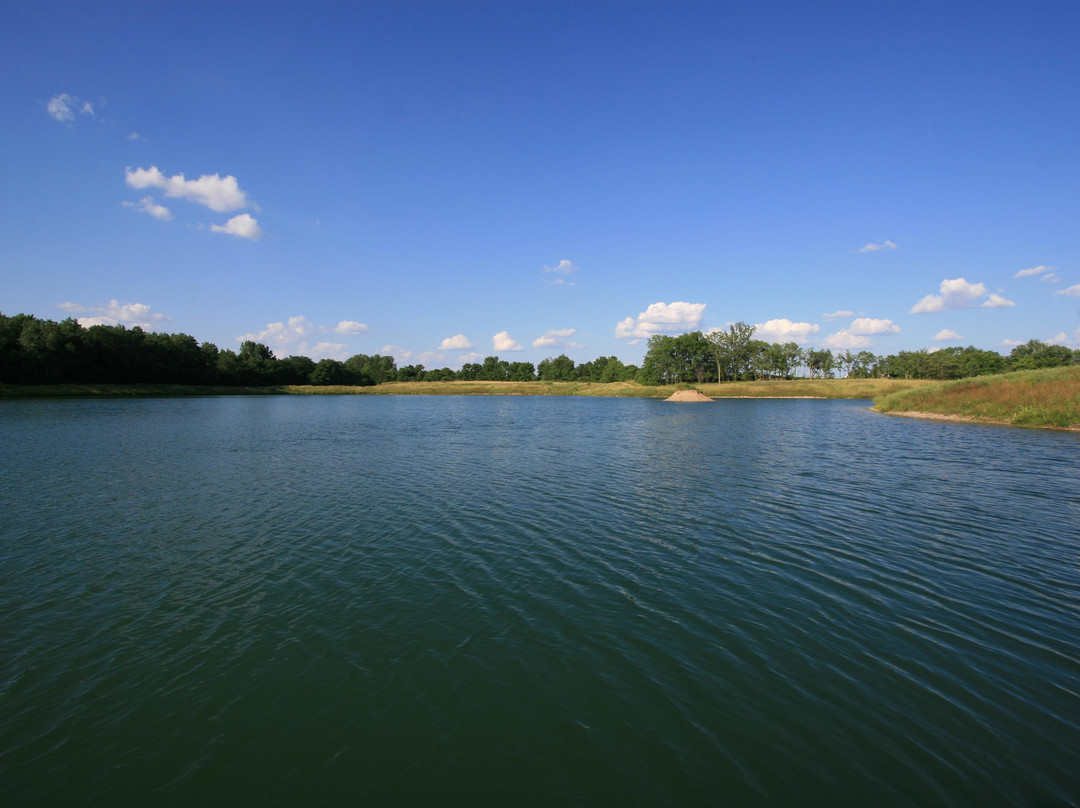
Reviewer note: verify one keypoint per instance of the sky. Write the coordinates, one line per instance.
(446, 181)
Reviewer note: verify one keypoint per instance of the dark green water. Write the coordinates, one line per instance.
(534, 601)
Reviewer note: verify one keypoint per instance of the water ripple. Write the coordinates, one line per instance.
(534, 601)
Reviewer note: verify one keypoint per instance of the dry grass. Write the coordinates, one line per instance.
(1036, 398)
(795, 388)
(810, 388)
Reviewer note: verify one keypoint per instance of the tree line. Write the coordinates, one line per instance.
(39, 351)
(734, 355)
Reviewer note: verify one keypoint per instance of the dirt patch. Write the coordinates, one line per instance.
(688, 395)
(970, 419)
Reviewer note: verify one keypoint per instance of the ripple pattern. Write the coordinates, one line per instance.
(534, 601)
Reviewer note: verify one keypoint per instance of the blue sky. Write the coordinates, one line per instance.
(445, 181)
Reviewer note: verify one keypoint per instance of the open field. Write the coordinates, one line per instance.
(1048, 398)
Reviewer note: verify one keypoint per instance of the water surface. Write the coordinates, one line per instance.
(534, 601)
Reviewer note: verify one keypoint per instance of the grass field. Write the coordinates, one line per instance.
(795, 388)
(1033, 398)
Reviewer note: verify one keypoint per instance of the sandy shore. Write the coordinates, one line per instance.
(968, 419)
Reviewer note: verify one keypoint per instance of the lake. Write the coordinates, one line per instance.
(534, 601)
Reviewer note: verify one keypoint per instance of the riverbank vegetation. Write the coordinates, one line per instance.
(34, 351)
(1035, 398)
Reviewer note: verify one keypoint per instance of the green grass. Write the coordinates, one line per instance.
(1033, 398)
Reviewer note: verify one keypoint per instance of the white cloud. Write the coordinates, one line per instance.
(63, 107)
(220, 194)
(857, 335)
(327, 350)
(1050, 277)
(1072, 291)
(1025, 273)
(563, 270)
(504, 342)
(867, 326)
(473, 356)
(1061, 339)
(946, 335)
(147, 205)
(401, 355)
(956, 293)
(564, 267)
(844, 338)
(996, 301)
(242, 225)
(836, 315)
(116, 313)
(885, 245)
(350, 327)
(430, 358)
(784, 330)
(557, 338)
(661, 318)
(458, 342)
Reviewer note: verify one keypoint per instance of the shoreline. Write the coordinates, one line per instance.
(971, 419)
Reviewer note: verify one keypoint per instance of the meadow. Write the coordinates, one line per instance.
(1047, 398)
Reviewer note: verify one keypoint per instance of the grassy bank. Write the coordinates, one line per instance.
(795, 388)
(1033, 398)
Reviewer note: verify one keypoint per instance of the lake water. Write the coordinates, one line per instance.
(534, 601)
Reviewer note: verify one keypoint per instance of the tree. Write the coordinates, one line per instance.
(329, 371)
(731, 350)
(559, 369)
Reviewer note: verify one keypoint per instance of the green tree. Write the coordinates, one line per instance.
(559, 369)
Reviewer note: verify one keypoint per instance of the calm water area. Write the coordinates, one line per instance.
(534, 601)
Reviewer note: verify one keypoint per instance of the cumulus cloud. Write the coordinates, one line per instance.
(784, 330)
(957, 293)
(1039, 270)
(242, 225)
(298, 336)
(557, 338)
(147, 205)
(858, 334)
(844, 338)
(350, 327)
(868, 326)
(458, 342)
(836, 315)
(116, 313)
(996, 301)
(63, 107)
(885, 245)
(504, 342)
(220, 194)
(946, 335)
(661, 318)
(1072, 291)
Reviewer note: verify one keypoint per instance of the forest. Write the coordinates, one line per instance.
(40, 351)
